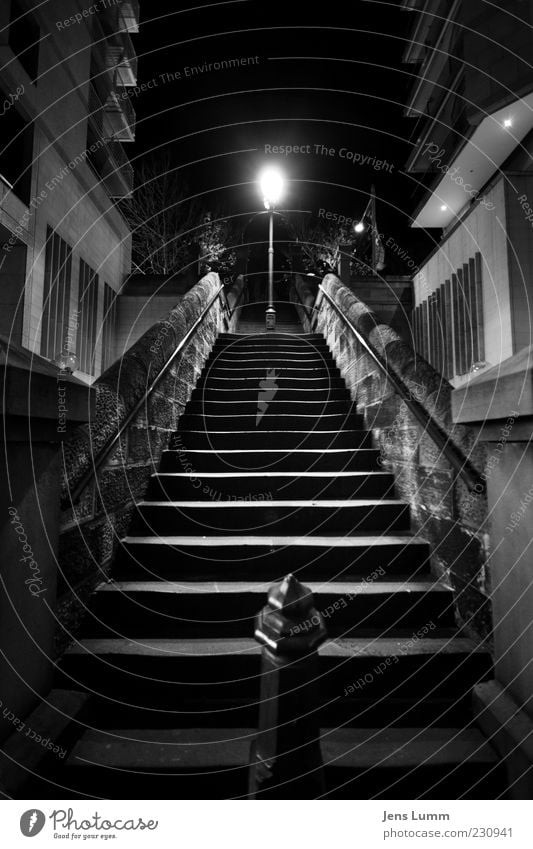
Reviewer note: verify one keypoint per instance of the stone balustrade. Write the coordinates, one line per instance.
(452, 518)
(92, 527)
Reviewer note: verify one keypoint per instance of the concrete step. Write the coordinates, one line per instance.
(264, 517)
(228, 608)
(240, 380)
(267, 420)
(283, 406)
(392, 762)
(255, 329)
(283, 394)
(270, 558)
(275, 337)
(233, 711)
(233, 354)
(312, 370)
(295, 461)
(260, 439)
(257, 347)
(149, 672)
(269, 363)
(238, 485)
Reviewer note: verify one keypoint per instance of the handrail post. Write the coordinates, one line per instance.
(286, 761)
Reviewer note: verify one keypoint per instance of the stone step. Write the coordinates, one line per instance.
(238, 485)
(149, 672)
(274, 439)
(393, 762)
(295, 461)
(228, 608)
(264, 517)
(270, 558)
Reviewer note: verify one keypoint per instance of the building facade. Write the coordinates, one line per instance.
(65, 248)
(472, 99)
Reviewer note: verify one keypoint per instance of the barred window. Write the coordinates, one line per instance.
(87, 309)
(56, 296)
(448, 326)
(109, 324)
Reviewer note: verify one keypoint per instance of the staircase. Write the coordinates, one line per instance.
(270, 472)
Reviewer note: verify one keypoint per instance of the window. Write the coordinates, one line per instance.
(448, 326)
(16, 147)
(109, 324)
(87, 314)
(56, 296)
(24, 37)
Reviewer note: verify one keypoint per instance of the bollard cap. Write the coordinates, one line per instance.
(290, 623)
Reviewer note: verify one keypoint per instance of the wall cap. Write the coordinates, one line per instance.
(30, 387)
(497, 393)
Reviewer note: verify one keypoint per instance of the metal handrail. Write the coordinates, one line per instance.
(455, 457)
(115, 439)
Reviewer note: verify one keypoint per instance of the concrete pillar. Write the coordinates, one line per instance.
(36, 422)
(499, 404)
(12, 279)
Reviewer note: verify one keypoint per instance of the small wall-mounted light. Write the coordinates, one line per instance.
(508, 122)
(67, 362)
(359, 227)
(443, 208)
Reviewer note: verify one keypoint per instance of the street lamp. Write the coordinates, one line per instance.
(271, 183)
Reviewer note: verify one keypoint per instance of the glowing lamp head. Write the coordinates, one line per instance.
(272, 184)
(508, 123)
(359, 227)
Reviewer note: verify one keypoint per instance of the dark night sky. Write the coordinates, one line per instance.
(329, 76)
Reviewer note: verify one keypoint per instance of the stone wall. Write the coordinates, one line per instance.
(444, 512)
(93, 526)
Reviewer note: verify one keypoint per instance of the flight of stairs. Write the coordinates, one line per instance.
(272, 472)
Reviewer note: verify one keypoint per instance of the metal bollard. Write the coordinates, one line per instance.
(286, 761)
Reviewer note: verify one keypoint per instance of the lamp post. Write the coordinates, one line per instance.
(271, 184)
(369, 215)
